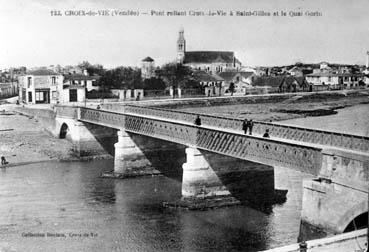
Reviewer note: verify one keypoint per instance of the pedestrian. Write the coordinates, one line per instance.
(98, 107)
(251, 125)
(245, 125)
(266, 134)
(3, 161)
(198, 121)
(138, 96)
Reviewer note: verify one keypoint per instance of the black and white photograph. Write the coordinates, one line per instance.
(168, 125)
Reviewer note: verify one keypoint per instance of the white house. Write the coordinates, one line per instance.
(40, 86)
(89, 82)
(240, 80)
(334, 80)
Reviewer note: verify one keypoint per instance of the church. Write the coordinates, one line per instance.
(212, 62)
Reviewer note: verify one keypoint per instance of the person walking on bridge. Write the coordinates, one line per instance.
(251, 125)
(245, 125)
(266, 134)
(198, 121)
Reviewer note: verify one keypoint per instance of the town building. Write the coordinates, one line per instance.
(84, 80)
(278, 84)
(39, 86)
(208, 61)
(147, 68)
(240, 80)
(46, 86)
(335, 80)
(212, 84)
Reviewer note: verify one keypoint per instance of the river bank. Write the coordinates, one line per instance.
(24, 140)
(298, 106)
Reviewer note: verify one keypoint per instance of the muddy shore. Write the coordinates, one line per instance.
(297, 106)
(23, 140)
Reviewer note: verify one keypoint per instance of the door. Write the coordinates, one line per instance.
(29, 96)
(72, 95)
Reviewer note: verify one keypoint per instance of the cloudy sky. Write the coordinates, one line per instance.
(30, 36)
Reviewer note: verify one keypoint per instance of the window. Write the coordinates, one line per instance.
(54, 95)
(72, 95)
(53, 80)
(29, 81)
(39, 96)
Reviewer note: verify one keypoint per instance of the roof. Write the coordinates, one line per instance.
(229, 75)
(148, 59)
(41, 72)
(203, 76)
(210, 57)
(80, 77)
(268, 81)
(325, 74)
(277, 81)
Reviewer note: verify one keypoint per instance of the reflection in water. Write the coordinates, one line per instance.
(128, 214)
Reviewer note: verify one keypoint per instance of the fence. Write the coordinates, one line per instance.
(8, 90)
(192, 92)
(156, 93)
(101, 95)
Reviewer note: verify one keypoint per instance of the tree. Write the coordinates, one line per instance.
(231, 88)
(154, 84)
(122, 78)
(95, 69)
(176, 75)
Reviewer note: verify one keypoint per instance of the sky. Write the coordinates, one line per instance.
(31, 37)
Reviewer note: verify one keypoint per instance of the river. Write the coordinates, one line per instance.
(67, 206)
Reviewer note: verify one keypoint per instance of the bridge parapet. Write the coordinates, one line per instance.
(346, 168)
(328, 138)
(66, 111)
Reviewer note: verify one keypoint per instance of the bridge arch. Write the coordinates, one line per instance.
(355, 218)
(63, 131)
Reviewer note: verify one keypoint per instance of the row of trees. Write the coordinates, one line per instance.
(171, 74)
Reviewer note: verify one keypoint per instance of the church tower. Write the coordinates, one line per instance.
(181, 46)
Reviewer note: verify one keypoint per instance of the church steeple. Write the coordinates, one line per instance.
(181, 46)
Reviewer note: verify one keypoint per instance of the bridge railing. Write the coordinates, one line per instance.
(262, 150)
(336, 139)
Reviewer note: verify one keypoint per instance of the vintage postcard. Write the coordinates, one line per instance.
(210, 125)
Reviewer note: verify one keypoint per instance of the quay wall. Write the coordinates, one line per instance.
(351, 241)
(89, 140)
(232, 100)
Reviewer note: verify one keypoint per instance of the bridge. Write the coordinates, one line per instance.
(339, 161)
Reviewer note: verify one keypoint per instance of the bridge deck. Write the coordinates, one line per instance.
(256, 135)
(302, 151)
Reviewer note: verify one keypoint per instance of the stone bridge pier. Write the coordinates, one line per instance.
(337, 201)
(208, 179)
(138, 155)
